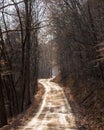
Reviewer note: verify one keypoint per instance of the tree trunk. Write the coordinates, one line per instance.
(3, 118)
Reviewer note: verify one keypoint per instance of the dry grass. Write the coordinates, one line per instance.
(89, 111)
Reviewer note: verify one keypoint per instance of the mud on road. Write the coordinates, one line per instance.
(55, 112)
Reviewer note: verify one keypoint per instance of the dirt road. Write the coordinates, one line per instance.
(55, 113)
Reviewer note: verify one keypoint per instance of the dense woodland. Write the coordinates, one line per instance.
(76, 46)
(78, 30)
(18, 56)
(45, 64)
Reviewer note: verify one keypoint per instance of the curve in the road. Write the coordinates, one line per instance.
(55, 112)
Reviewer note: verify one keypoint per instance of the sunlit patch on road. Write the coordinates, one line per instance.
(55, 113)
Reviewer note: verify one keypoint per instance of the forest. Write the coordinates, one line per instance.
(61, 40)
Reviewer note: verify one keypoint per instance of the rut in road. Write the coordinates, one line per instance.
(55, 113)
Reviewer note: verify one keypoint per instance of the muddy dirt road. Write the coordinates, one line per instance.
(55, 113)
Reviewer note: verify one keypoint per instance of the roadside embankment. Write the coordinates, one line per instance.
(87, 100)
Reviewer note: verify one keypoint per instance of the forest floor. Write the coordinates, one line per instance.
(89, 114)
(55, 112)
(88, 108)
(28, 114)
(56, 107)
